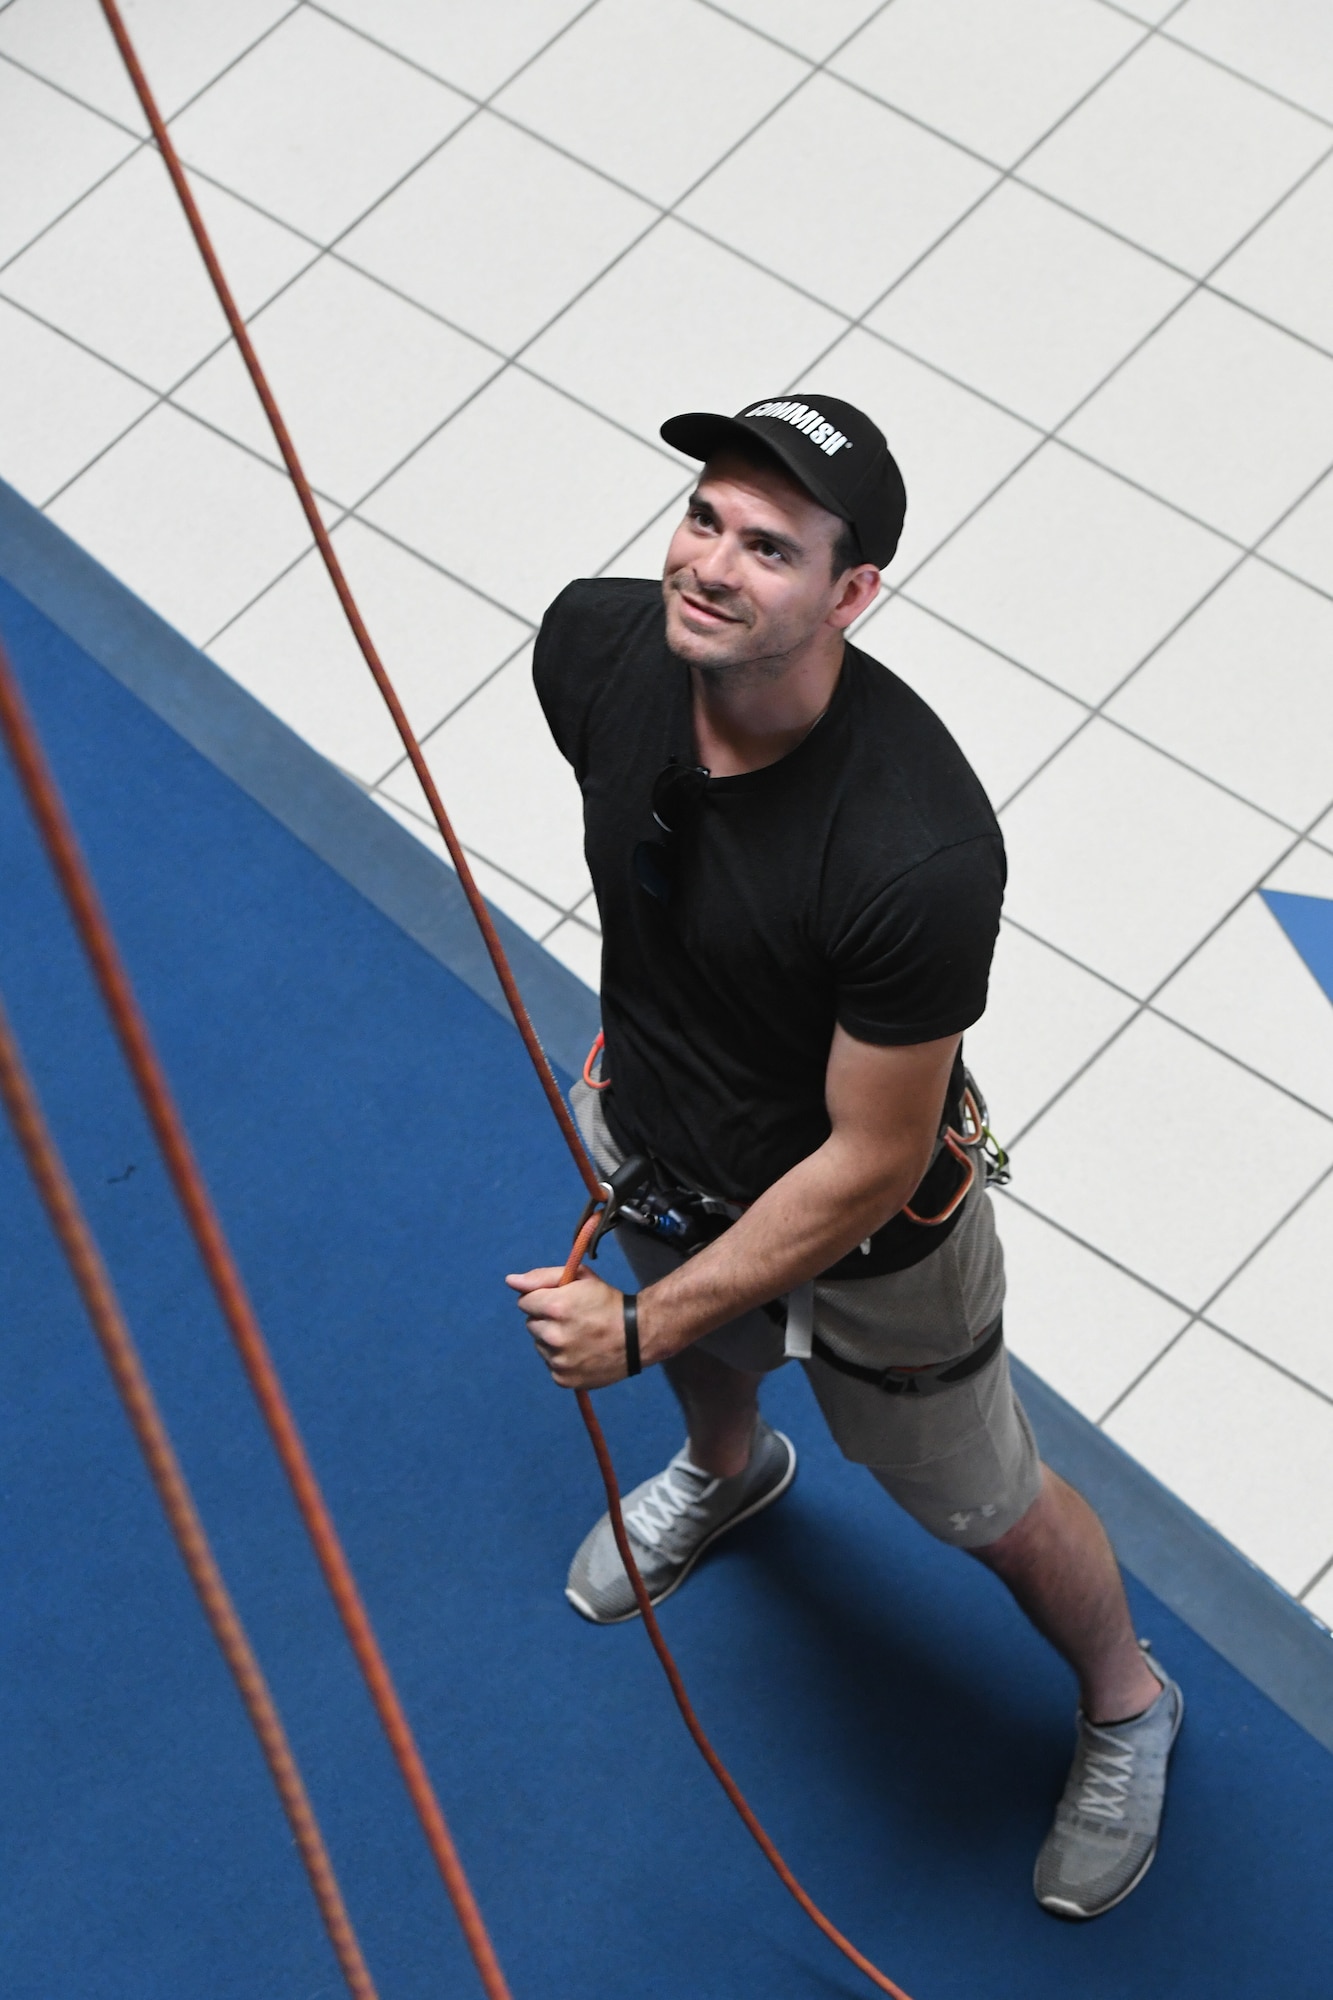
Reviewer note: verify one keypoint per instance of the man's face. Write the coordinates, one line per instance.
(749, 574)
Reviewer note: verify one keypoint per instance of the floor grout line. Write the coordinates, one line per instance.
(479, 104)
(1137, 1004)
(558, 388)
(1091, 221)
(662, 215)
(1053, 435)
(1128, 994)
(571, 917)
(1171, 1021)
(1314, 1583)
(1178, 41)
(1064, 1229)
(1092, 711)
(415, 62)
(1257, 1354)
(1198, 1316)
(487, 104)
(1145, 1004)
(143, 138)
(492, 673)
(323, 249)
(1097, 710)
(167, 397)
(338, 518)
(505, 362)
(564, 912)
(1192, 1316)
(1096, 713)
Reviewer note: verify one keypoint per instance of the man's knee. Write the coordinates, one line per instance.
(1013, 1545)
(695, 1371)
(955, 1506)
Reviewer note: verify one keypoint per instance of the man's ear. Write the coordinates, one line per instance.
(860, 588)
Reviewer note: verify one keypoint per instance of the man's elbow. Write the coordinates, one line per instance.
(885, 1185)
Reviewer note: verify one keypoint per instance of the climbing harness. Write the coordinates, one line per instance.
(647, 1196)
(643, 1193)
(96, 937)
(971, 1140)
(659, 1202)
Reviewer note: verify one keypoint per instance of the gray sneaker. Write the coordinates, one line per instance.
(670, 1521)
(1104, 1837)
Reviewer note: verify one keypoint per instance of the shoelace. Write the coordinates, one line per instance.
(662, 1507)
(1106, 1781)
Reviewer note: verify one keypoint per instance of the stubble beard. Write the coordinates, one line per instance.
(743, 659)
(721, 676)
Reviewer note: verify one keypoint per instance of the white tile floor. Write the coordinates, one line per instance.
(1073, 255)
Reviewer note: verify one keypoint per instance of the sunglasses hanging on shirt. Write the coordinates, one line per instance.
(678, 792)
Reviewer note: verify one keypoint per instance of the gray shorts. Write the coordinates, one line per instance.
(961, 1460)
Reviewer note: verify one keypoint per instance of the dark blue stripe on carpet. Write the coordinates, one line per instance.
(381, 1155)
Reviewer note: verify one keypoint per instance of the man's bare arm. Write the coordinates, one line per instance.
(884, 1107)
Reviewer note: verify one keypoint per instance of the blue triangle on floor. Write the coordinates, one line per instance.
(1308, 922)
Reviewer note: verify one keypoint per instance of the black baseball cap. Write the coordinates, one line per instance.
(830, 448)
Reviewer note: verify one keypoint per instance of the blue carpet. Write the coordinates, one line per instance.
(380, 1155)
(1308, 923)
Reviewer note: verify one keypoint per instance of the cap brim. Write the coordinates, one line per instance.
(703, 433)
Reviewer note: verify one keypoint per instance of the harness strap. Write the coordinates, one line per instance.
(916, 1381)
(687, 1218)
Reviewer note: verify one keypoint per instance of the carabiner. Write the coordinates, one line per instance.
(629, 1176)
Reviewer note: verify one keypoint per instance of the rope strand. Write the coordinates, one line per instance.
(504, 972)
(766, 1845)
(126, 1368)
(94, 933)
(310, 508)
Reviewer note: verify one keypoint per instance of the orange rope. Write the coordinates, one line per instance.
(309, 507)
(95, 935)
(117, 1343)
(767, 1847)
(504, 971)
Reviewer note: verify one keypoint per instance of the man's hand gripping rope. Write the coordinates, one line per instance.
(577, 1321)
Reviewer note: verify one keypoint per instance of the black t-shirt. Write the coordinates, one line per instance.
(858, 880)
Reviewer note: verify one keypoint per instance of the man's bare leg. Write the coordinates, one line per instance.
(1056, 1561)
(1062, 1572)
(721, 1405)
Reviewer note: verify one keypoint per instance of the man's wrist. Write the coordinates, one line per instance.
(703, 1293)
(629, 1305)
(648, 1325)
(661, 1336)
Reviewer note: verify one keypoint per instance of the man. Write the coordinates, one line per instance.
(800, 879)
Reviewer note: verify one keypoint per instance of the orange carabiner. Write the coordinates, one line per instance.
(962, 1145)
